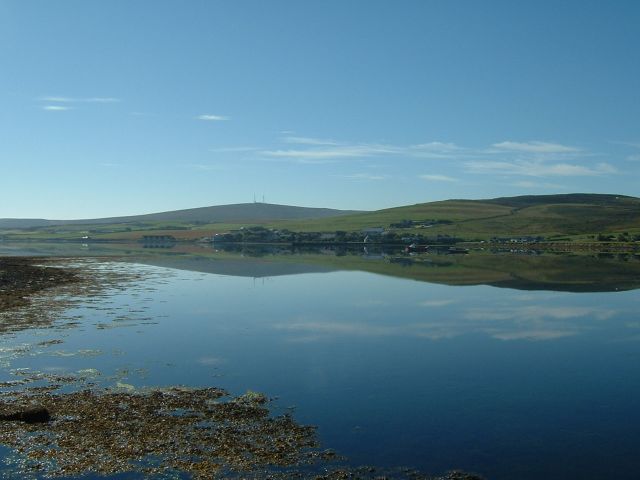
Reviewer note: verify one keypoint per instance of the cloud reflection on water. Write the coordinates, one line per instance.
(506, 323)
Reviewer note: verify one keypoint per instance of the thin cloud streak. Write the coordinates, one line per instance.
(525, 159)
(535, 147)
(438, 178)
(55, 108)
(309, 141)
(538, 168)
(429, 150)
(212, 118)
(339, 152)
(206, 167)
(320, 148)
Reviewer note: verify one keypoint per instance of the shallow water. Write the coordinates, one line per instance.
(508, 383)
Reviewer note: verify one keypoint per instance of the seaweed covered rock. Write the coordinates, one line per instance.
(29, 415)
(21, 277)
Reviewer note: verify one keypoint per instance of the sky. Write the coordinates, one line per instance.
(125, 107)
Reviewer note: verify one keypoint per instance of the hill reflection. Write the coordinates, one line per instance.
(557, 272)
(602, 272)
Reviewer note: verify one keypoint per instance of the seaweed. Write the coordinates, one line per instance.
(154, 432)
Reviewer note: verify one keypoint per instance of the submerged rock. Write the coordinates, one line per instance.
(31, 415)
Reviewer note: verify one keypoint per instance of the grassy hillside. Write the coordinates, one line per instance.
(241, 212)
(524, 201)
(575, 216)
(546, 215)
(454, 210)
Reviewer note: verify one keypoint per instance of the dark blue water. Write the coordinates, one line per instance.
(506, 383)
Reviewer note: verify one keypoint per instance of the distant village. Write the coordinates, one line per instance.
(394, 234)
(368, 235)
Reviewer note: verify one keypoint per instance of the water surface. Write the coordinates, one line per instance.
(510, 383)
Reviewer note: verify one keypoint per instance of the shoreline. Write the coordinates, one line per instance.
(560, 246)
(22, 277)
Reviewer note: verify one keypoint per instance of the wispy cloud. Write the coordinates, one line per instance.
(56, 108)
(343, 151)
(532, 168)
(314, 148)
(331, 149)
(206, 167)
(438, 178)
(212, 118)
(56, 99)
(534, 147)
(536, 159)
(509, 158)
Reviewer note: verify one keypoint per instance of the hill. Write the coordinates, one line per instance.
(524, 201)
(578, 217)
(546, 215)
(235, 213)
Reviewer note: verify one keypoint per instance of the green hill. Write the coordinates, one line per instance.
(524, 201)
(577, 216)
(241, 212)
(546, 215)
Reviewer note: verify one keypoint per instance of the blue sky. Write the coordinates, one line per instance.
(124, 107)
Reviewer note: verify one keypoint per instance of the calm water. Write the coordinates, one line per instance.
(508, 383)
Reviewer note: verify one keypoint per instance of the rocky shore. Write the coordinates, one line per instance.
(21, 277)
